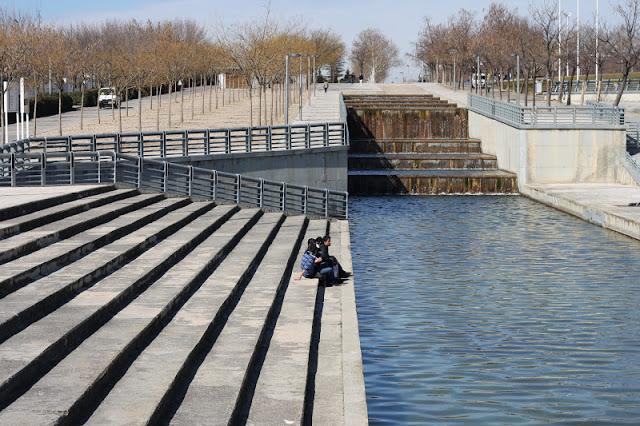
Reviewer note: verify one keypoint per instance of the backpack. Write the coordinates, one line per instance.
(308, 263)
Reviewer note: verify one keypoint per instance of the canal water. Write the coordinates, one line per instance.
(494, 310)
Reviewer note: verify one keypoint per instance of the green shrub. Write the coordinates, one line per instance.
(90, 97)
(48, 104)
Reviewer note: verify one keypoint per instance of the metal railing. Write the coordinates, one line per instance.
(69, 168)
(184, 143)
(609, 86)
(573, 117)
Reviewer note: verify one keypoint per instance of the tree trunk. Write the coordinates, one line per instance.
(140, 108)
(548, 90)
(35, 112)
(250, 108)
(151, 97)
(271, 115)
(561, 88)
(81, 106)
(526, 89)
(584, 88)
(170, 87)
(120, 117)
(59, 112)
(203, 91)
(259, 105)
(158, 94)
(599, 83)
(182, 104)
(126, 100)
(625, 78)
(570, 88)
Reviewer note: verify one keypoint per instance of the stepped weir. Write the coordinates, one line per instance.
(417, 144)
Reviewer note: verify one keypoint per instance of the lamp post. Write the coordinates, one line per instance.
(286, 84)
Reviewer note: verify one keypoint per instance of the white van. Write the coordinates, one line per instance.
(474, 81)
(107, 97)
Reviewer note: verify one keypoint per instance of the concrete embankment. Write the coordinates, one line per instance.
(124, 308)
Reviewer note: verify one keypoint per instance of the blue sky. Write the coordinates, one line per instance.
(401, 20)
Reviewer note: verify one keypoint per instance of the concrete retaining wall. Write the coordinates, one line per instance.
(542, 156)
(318, 167)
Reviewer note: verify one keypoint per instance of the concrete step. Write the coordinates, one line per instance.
(328, 408)
(72, 353)
(279, 396)
(415, 146)
(424, 161)
(224, 317)
(26, 269)
(50, 201)
(39, 218)
(431, 182)
(222, 387)
(27, 242)
(23, 307)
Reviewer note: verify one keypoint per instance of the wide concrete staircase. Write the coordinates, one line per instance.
(118, 307)
(417, 144)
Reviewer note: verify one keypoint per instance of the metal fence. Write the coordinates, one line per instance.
(68, 168)
(609, 86)
(573, 117)
(183, 143)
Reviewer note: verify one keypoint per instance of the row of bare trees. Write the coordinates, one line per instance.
(544, 42)
(156, 57)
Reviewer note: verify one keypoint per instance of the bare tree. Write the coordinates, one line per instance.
(622, 41)
(374, 55)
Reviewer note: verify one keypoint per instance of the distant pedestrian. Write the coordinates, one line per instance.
(361, 78)
(326, 87)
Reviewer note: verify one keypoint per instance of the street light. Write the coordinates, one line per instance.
(286, 84)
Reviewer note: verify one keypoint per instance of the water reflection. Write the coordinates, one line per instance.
(494, 310)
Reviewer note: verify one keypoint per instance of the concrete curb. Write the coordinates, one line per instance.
(355, 401)
(590, 214)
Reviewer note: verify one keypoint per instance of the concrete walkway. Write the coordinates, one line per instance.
(607, 205)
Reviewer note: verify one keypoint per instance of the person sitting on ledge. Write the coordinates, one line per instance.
(330, 269)
(310, 262)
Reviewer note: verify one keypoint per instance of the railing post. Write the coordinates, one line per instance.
(227, 142)
(118, 143)
(306, 199)
(261, 199)
(207, 148)
(72, 174)
(139, 172)
(307, 136)
(190, 181)
(99, 168)
(325, 131)
(140, 145)
(269, 139)
(185, 143)
(165, 176)
(288, 138)
(247, 139)
(94, 143)
(69, 147)
(12, 168)
(163, 145)
(214, 190)
(284, 197)
(115, 167)
(43, 170)
(326, 203)
(238, 188)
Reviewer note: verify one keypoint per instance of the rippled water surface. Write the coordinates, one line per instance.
(494, 310)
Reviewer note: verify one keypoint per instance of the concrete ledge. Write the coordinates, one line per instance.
(603, 205)
(355, 401)
(324, 167)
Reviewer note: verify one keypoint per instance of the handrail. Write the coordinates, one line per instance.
(183, 143)
(571, 117)
(91, 167)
